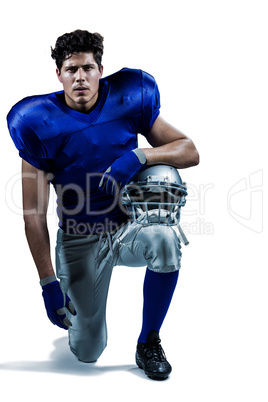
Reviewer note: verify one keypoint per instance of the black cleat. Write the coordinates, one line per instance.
(151, 358)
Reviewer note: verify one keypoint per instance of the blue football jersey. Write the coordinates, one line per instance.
(76, 148)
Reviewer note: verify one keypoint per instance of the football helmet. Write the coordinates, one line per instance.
(155, 195)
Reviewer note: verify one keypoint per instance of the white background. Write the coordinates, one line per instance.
(210, 61)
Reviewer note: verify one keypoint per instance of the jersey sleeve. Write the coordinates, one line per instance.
(27, 142)
(150, 103)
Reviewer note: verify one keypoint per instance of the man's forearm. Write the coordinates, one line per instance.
(38, 239)
(180, 154)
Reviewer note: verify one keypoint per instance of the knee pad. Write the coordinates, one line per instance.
(88, 343)
(162, 248)
(86, 354)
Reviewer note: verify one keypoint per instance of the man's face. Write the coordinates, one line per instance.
(80, 76)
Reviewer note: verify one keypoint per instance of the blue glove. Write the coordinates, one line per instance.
(56, 301)
(121, 171)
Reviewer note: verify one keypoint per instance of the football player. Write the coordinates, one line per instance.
(83, 141)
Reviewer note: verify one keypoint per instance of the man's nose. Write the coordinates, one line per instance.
(80, 75)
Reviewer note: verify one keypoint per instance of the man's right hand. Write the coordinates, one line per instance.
(56, 301)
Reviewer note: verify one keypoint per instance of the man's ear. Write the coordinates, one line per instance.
(101, 70)
(58, 75)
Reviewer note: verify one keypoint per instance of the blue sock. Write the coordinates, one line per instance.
(158, 290)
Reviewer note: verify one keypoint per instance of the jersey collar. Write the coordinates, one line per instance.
(91, 116)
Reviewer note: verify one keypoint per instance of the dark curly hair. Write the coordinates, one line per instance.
(75, 42)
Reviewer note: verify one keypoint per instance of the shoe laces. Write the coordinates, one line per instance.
(155, 352)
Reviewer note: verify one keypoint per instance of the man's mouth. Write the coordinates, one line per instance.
(80, 89)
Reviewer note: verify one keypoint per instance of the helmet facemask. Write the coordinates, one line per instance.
(155, 198)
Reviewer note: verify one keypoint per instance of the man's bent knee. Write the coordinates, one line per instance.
(162, 248)
(87, 346)
(87, 353)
